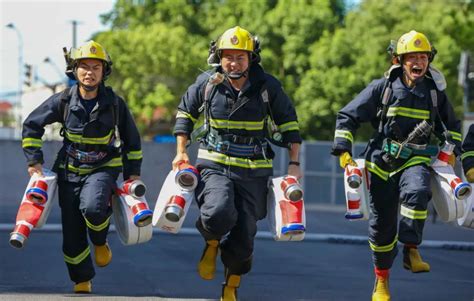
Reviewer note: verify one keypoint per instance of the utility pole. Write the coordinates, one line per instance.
(74, 32)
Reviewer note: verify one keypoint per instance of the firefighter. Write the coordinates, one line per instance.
(406, 108)
(239, 102)
(100, 140)
(468, 154)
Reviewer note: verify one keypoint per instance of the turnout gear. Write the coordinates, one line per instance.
(411, 42)
(86, 183)
(470, 175)
(398, 156)
(467, 157)
(346, 159)
(235, 38)
(234, 158)
(86, 135)
(90, 50)
(207, 264)
(240, 118)
(230, 286)
(381, 291)
(83, 287)
(412, 260)
(103, 255)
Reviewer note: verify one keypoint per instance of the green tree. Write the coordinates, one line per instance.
(343, 62)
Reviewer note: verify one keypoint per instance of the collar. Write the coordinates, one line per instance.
(401, 91)
(104, 96)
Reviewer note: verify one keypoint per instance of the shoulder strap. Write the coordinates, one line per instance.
(115, 116)
(434, 100)
(64, 104)
(386, 95)
(207, 93)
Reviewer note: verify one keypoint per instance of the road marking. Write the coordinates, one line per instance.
(319, 237)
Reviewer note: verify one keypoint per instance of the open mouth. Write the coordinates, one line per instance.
(416, 70)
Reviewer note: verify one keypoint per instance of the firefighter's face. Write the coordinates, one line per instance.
(90, 72)
(234, 61)
(415, 65)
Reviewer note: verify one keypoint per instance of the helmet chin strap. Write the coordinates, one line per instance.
(89, 88)
(237, 75)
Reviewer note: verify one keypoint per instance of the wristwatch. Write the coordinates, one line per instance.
(294, 163)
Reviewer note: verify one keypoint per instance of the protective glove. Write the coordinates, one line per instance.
(452, 160)
(470, 175)
(345, 158)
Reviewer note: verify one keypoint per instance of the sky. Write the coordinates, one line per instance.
(45, 28)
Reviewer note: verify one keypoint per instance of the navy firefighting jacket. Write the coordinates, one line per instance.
(241, 115)
(84, 132)
(407, 108)
(468, 150)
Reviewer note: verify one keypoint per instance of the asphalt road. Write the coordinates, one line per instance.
(333, 263)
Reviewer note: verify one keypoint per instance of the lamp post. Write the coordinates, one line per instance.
(56, 68)
(20, 59)
(20, 78)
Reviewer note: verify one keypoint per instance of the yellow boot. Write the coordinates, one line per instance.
(229, 287)
(103, 255)
(207, 263)
(412, 260)
(83, 287)
(381, 291)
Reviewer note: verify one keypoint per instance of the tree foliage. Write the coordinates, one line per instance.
(323, 55)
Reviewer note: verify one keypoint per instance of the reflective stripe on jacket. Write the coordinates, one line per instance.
(407, 108)
(82, 130)
(241, 115)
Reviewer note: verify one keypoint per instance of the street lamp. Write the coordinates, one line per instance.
(20, 77)
(56, 68)
(20, 59)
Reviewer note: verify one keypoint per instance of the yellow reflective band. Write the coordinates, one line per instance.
(373, 168)
(456, 136)
(115, 162)
(135, 155)
(386, 248)
(233, 161)
(289, 126)
(236, 124)
(31, 142)
(467, 154)
(97, 228)
(182, 114)
(344, 134)
(408, 112)
(413, 161)
(79, 258)
(413, 214)
(78, 138)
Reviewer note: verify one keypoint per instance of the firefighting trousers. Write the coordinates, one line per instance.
(85, 208)
(229, 211)
(411, 187)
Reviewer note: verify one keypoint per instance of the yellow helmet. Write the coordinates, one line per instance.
(413, 41)
(90, 50)
(236, 38)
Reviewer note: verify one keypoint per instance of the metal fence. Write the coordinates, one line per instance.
(322, 181)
